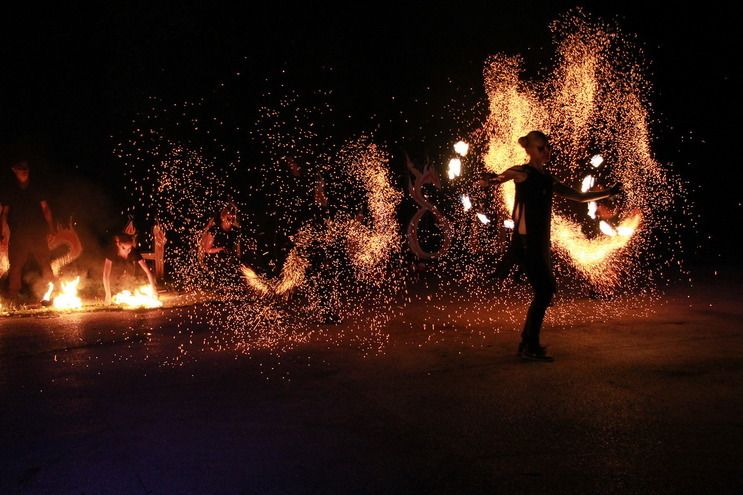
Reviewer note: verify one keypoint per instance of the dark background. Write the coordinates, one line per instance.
(73, 79)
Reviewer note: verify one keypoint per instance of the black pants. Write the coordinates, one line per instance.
(21, 248)
(534, 259)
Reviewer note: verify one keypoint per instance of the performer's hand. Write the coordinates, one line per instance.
(485, 179)
(489, 178)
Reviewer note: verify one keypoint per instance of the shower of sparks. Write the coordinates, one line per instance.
(461, 148)
(329, 203)
(321, 212)
(596, 94)
(368, 246)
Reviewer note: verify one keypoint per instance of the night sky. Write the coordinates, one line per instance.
(72, 79)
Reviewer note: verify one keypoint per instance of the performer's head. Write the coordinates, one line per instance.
(124, 244)
(21, 170)
(537, 146)
(228, 216)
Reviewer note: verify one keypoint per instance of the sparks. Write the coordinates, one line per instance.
(588, 97)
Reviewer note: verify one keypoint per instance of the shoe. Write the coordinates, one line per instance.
(522, 348)
(536, 353)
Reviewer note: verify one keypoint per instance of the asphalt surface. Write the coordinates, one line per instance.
(633, 404)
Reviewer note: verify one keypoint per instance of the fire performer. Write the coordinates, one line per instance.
(123, 255)
(221, 246)
(222, 234)
(530, 245)
(30, 220)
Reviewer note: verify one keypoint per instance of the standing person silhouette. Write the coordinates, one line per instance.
(532, 216)
(27, 212)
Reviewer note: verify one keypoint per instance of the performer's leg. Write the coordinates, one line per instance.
(539, 273)
(41, 253)
(17, 256)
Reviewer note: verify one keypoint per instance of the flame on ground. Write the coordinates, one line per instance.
(48, 293)
(68, 299)
(142, 297)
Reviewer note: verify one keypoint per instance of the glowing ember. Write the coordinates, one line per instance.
(143, 297)
(68, 299)
(485, 220)
(508, 224)
(592, 207)
(597, 160)
(455, 168)
(461, 148)
(607, 229)
(466, 203)
(588, 182)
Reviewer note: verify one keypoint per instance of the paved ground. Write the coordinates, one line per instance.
(632, 405)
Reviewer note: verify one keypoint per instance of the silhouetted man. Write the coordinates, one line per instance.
(30, 220)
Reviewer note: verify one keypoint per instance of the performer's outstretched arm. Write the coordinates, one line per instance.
(585, 197)
(513, 173)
